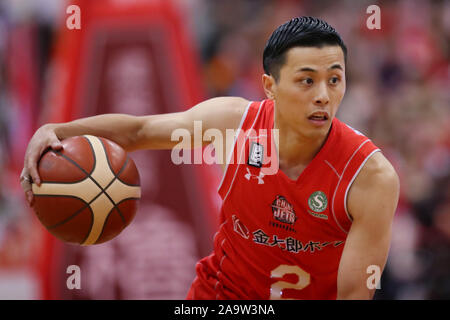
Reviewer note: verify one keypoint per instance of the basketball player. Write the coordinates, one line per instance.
(320, 226)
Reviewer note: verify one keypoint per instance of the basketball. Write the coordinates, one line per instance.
(89, 191)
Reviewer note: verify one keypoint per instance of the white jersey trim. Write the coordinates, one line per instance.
(353, 179)
(234, 144)
(339, 182)
(332, 168)
(243, 146)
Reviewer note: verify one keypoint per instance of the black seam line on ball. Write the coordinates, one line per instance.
(120, 171)
(106, 220)
(109, 214)
(125, 183)
(90, 227)
(72, 162)
(128, 184)
(88, 175)
(120, 212)
(107, 158)
(103, 227)
(110, 166)
(112, 201)
(93, 153)
(70, 217)
(87, 205)
(103, 190)
(92, 216)
(98, 185)
(112, 181)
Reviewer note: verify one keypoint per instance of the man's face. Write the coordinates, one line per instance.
(309, 89)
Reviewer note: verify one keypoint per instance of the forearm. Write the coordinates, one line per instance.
(120, 128)
(157, 131)
(362, 263)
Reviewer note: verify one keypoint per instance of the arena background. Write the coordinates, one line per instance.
(143, 57)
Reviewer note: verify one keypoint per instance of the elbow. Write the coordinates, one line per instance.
(132, 140)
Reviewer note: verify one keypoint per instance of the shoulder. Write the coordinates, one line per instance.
(227, 107)
(234, 105)
(220, 113)
(378, 170)
(228, 111)
(375, 189)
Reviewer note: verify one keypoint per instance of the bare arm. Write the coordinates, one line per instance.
(154, 131)
(133, 133)
(372, 202)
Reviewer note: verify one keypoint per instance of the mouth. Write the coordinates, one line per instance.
(319, 117)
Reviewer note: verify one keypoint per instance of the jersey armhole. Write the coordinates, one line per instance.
(244, 116)
(353, 179)
(348, 175)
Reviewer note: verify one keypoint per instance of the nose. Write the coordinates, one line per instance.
(322, 97)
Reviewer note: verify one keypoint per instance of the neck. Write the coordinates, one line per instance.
(296, 149)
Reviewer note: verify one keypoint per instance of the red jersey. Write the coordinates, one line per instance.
(281, 238)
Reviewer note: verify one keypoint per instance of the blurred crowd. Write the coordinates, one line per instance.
(397, 94)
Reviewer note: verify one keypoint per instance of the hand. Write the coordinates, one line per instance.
(42, 139)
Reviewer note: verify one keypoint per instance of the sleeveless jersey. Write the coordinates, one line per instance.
(281, 238)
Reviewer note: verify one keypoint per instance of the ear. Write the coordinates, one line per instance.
(269, 86)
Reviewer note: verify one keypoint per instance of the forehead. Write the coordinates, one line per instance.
(316, 58)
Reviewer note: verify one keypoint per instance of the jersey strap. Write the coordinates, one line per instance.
(236, 157)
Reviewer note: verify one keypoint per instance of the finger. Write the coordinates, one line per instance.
(25, 180)
(24, 173)
(26, 186)
(30, 198)
(35, 176)
(33, 172)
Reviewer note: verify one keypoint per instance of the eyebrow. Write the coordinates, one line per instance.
(334, 66)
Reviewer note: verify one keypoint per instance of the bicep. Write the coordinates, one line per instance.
(372, 202)
(217, 113)
(164, 131)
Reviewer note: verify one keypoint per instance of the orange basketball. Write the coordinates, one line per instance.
(89, 191)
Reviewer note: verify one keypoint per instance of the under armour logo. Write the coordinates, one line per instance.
(260, 177)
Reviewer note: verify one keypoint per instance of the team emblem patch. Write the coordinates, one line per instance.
(256, 156)
(283, 211)
(318, 201)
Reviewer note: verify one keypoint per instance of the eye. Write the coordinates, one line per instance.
(334, 80)
(307, 81)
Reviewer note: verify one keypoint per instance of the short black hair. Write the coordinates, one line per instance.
(298, 32)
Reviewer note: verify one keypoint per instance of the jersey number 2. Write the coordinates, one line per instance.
(276, 290)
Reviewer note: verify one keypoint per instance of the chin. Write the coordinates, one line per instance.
(317, 132)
